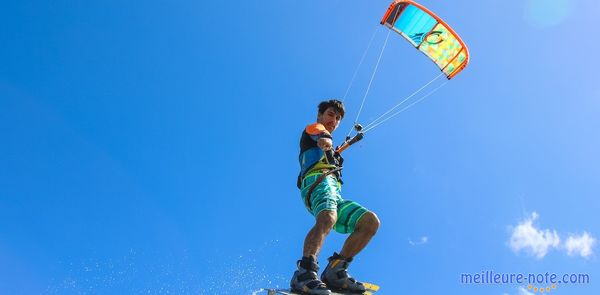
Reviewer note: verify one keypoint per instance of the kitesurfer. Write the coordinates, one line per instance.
(320, 184)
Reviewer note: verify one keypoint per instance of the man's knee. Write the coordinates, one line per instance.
(369, 223)
(326, 219)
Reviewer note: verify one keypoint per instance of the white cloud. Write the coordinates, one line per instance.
(523, 291)
(580, 245)
(526, 237)
(422, 241)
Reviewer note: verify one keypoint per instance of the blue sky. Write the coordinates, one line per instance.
(151, 148)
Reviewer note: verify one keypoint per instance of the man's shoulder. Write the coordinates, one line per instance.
(316, 129)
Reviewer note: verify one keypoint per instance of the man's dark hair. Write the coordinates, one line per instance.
(337, 105)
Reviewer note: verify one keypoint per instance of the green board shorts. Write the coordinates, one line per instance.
(326, 196)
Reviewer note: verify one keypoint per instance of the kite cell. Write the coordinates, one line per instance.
(429, 34)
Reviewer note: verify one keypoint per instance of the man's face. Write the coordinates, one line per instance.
(330, 119)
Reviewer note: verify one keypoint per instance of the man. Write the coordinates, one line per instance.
(320, 185)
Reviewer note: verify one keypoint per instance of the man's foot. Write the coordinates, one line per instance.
(306, 280)
(336, 276)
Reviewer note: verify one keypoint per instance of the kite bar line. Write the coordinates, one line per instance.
(371, 80)
(403, 101)
(372, 77)
(361, 61)
(407, 107)
(350, 142)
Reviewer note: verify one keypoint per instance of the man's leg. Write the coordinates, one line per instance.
(324, 208)
(366, 227)
(306, 279)
(316, 236)
(336, 275)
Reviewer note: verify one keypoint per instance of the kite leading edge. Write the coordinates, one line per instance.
(429, 34)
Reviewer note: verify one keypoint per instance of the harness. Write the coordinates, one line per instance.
(334, 157)
(314, 185)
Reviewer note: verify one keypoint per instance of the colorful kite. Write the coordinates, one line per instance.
(429, 34)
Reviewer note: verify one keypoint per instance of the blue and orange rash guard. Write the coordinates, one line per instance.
(312, 157)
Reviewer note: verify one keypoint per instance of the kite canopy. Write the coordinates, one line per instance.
(429, 34)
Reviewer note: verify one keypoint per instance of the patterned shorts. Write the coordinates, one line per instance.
(326, 196)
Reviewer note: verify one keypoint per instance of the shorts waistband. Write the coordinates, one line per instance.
(314, 174)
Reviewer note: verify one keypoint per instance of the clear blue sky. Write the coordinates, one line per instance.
(151, 147)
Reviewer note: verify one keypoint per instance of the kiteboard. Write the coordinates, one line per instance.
(371, 289)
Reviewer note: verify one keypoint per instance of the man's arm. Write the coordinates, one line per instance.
(323, 138)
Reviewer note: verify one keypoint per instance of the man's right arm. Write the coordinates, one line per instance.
(319, 133)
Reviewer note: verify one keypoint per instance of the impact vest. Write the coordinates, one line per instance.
(312, 158)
